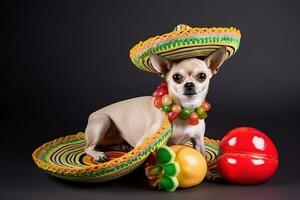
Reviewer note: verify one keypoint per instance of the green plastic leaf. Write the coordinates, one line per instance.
(164, 155)
(171, 169)
(168, 183)
(153, 171)
(156, 170)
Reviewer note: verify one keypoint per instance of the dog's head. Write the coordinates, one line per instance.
(188, 79)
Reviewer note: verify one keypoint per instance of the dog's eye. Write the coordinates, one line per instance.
(177, 78)
(201, 77)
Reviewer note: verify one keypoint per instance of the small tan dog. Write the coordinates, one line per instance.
(133, 120)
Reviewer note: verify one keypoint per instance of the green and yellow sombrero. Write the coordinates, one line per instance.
(65, 157)
(185, 42)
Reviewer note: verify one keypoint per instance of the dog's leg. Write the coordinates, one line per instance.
(94, 134)
(198, 144)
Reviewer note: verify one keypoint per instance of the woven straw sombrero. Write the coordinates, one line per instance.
(65, 158)
(185, 42)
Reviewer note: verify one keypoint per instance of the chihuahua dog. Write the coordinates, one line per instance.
(133, 120)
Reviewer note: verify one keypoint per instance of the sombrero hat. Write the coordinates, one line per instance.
(185, 42)
(65, 157)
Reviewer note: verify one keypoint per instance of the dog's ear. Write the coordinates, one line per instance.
(216, 59)
(160, 64)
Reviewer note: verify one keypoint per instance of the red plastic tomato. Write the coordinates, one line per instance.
(247, 156)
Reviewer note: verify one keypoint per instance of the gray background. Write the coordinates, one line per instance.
(65, 59)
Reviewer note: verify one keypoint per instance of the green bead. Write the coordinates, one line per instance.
(184, 114)
(201, 113)
(166, 108)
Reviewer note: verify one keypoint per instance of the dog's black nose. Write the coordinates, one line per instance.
(189, 85)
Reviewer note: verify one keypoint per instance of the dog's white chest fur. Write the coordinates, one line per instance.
(183, 131)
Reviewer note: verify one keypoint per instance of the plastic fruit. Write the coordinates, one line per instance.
(192, 166)
(247, 156)
(161, 169)
(175, 166)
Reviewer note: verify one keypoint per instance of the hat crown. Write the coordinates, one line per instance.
(181, 27)
(185, 42)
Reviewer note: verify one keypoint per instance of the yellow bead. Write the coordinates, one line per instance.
(176, 108)
(166, 100)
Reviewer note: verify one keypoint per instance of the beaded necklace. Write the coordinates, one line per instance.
(164, 102)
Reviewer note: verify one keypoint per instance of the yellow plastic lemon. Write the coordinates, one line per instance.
(192, 164)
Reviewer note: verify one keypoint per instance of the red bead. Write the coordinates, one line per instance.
(161, 89)
(158, 102)
(162, 84)
(160, 92)
(172, 115)
(193, 119)
(205, 106)
(193, 115)
(248, 156)
(155, 93)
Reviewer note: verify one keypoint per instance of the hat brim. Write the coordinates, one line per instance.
(193, 42)
(65, 157)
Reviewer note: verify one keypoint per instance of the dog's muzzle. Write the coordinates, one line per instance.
(189, 89)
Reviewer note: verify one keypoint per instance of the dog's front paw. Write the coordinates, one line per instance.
(100, 157)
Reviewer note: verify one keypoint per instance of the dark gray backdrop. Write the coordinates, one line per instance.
(62, 60)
